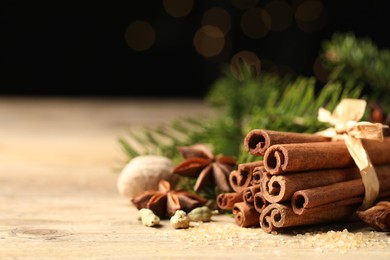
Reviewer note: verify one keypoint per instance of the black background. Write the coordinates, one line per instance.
(80, 50)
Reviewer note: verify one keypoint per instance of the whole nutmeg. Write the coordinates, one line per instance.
(143, 173)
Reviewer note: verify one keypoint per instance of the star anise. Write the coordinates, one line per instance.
(201, 163)
(377, 217)
(165, 201)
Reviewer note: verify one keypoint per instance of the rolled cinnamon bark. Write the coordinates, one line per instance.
(378, 151)
(260, 202)
(245, 216)
(353, 201)
(281, 187)
(324, 195)
(320, 155)
(248, 195)
(259, 173)
(277, 216)
(227, 200)
(241, 178)
(258, 141)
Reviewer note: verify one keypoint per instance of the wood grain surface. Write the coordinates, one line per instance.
(59, 162)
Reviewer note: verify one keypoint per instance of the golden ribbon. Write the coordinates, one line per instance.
(345, 119)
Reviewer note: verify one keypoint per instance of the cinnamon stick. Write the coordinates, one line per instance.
(248, 195)
(245, 216)
(353, 201)
(320, 155)
(227, 200)
(258, 141)
(241, 178)
(260, 202)
(258, 175)
(277, 216)
(281, 187)
(325, 195)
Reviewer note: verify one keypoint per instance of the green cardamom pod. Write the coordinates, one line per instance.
(200, 214)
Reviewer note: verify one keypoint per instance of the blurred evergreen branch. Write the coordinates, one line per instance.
(265, 101)
(359, 61)
(273, 103)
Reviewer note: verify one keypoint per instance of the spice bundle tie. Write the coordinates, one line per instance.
(346, 126)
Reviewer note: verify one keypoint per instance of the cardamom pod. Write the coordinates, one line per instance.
(200, 214)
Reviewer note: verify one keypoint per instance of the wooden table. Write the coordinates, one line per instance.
(59, 162)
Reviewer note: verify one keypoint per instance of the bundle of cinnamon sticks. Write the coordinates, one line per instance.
(300, 179)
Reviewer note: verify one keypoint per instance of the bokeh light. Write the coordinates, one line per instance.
(255, 23)
(281, 14)
(209, 41)
(178, 8)
(218, 17)
(311, 15)
(248, 58)
(140, 35)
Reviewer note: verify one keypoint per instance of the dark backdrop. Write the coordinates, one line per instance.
(80, 49)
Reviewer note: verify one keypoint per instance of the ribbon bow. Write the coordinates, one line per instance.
(345, 119)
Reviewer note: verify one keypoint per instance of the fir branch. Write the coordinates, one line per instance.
(282, 104)
(296, 109)
(358, 61)
(127, 148)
